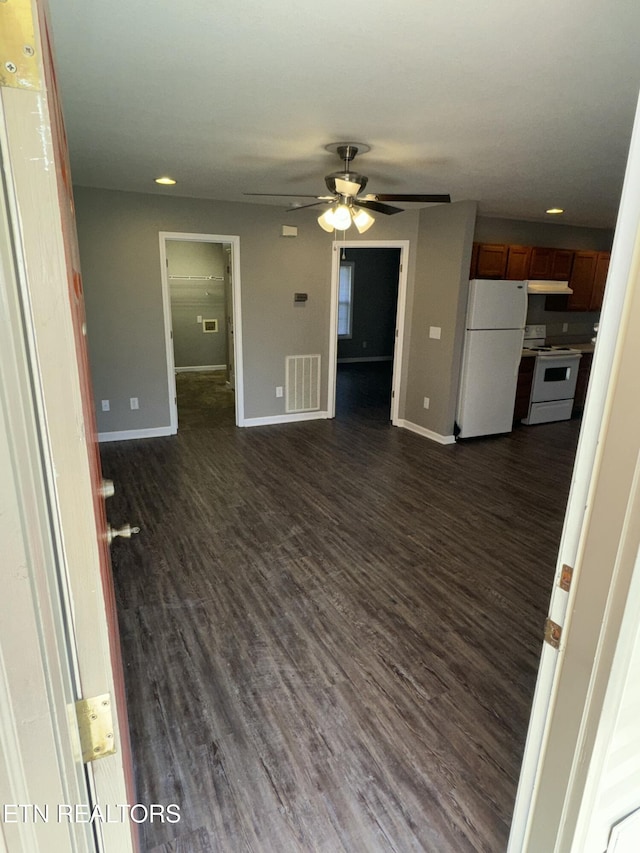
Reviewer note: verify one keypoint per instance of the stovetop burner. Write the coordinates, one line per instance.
(554, 349)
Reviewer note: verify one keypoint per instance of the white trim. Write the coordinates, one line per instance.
(236, 312)
(200, 368)
(285, 419)
(129, 434)
(398, 377)
(426, 433)
(368, 358)
(526, 810)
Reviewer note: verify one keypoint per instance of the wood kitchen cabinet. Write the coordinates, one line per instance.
(588, 281)
(599, 280)
(518, 262)
(586, 271)
(523, 387)
(491, 260)
(582, 383)
(550, 264)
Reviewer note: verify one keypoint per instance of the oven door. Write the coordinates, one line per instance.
(555, 377)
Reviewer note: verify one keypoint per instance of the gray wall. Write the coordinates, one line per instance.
(375, 296)
(119, 250)
(192, 346)
(445, 240)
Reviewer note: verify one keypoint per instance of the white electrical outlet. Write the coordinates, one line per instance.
(565, 327)
(133, 402)
(199, 318)
(279, 391)
(364, 344)
(426, 403)
(435, 332)
(106, 406)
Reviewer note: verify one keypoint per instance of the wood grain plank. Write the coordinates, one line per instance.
(332, 629)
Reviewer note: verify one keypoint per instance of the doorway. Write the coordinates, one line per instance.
(201, 299)
(368, 299)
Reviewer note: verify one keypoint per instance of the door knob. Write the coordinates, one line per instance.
(126, 531)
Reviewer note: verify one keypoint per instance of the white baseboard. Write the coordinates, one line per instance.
(426, 433)
(129, 434)
(367, 358)
(200, 368)
(285, 419)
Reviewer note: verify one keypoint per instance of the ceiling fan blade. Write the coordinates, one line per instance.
(313, 204)
(286, 195)
(369, 204)
(441, 199)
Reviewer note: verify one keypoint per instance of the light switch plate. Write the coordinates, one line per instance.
(435, 332)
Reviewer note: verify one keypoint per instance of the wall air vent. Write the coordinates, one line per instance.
(302, 383)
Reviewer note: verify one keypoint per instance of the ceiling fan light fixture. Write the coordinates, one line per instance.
(362, 219)
(325, 220)
(341, 217)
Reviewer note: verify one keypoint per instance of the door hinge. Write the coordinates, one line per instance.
(566, 578)
(95, 725)
(393, 394)
(552, 633)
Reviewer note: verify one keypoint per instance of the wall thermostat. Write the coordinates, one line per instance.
(300, 297)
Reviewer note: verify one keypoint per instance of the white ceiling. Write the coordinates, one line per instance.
(519, 104)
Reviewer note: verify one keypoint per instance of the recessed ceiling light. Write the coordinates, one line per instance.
(554, 211)
(166, 181)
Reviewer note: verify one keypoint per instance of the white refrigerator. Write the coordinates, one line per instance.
(494, 330)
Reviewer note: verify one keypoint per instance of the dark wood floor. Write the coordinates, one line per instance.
(331, 629)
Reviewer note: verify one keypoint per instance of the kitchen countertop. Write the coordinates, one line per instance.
(583, 348)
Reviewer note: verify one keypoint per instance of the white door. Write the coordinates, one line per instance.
(598, 543)
(42, 232)
(397, 381)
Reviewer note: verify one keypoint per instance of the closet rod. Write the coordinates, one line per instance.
(197, 277)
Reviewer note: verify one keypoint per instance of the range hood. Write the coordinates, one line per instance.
(548, 286)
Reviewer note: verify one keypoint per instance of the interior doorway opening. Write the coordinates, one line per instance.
(201, 296)
(367, 324)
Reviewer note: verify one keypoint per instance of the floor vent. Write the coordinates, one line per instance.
(303, 383)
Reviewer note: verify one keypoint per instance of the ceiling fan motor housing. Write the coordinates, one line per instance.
(350, 177)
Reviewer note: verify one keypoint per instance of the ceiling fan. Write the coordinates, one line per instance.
(347, 204)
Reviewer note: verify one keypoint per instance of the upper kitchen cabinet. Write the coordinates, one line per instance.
(518, 262)
(550, 264)
(599, 281)
(490, 260)
(588, 280)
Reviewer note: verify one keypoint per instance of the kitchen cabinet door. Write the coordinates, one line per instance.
(541, 264)
(551, 264)
(518, 261)
(491, 261)
(584, 372)
(582, 280)
(523, 388)
(474, 261)
(599, 280)
(561, 264)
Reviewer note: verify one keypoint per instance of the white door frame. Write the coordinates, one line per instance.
(401, 305)
(553, 676)
(236, 313)
(39, 677)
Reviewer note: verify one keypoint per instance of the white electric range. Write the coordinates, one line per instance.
(554, 377)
